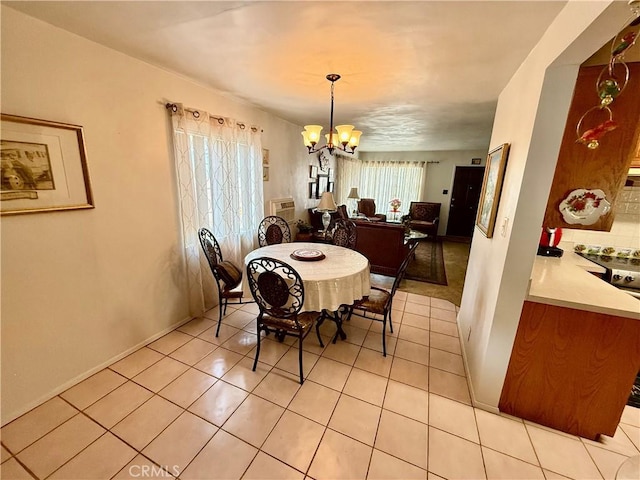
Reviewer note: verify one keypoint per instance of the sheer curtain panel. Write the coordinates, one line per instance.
(219, 172)
(381, 180)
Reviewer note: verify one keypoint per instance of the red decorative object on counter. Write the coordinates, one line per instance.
(549, 240)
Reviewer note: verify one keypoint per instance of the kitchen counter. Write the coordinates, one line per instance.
(566, 282)
(576, 351)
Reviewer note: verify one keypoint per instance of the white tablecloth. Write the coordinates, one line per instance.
(338, 279)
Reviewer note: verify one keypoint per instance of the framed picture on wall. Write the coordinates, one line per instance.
(313, 171)
(322, 185)
(491, 187)
(44, 166)
(330, 187)
(265, 156)
(312, 189)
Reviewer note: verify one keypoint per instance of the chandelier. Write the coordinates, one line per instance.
(345, 138)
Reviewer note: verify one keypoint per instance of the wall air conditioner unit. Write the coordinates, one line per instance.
(285, 208)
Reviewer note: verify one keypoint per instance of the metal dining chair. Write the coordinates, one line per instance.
(228, 277)
(273, 230)
(279, 292)
(379, 300)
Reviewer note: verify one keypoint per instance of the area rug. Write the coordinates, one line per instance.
(428, 264)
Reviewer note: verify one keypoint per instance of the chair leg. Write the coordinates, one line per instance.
(222, 306)
(390, 324)
(384, 335)
(255, 361)
(300, 358)
(318, 324)
(351, 313)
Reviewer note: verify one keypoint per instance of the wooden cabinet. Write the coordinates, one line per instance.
(605, 167)
(571, 370)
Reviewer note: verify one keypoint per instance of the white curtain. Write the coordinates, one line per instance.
(382, 181)
(219, 171)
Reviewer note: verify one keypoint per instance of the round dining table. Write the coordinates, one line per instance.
(340, 278)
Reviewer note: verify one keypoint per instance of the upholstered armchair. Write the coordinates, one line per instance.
(367, 207)
(423, 217)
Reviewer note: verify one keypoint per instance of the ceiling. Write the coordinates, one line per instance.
(416, 75)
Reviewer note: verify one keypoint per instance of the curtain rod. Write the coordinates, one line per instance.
(174, 108)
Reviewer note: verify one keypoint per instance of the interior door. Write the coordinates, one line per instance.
(465, 195)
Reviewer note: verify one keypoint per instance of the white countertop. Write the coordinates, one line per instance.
(566, 282)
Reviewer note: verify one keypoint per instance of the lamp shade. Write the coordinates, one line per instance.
(354, 193)
(344, 133)
(311, 134)
(334, 140)
(355, 138)
(327, 203)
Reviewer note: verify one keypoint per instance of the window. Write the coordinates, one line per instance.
(382, 181)
(219, 173)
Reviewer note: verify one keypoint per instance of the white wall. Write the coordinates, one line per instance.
(530, 116)
(439, 174)
(80, 288)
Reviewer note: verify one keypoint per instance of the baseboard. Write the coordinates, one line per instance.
(474, 400)
(67, 385)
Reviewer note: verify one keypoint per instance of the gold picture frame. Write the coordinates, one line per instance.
(491, 188)
(44, 166)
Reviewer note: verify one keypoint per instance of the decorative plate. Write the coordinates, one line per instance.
(584, 207)
(307, 255)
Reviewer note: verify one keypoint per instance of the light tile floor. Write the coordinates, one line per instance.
(188, 405)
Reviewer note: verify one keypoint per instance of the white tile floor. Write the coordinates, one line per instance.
(189, 403)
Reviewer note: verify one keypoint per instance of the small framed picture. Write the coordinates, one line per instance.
(265, 173)
(313, 171)
(265, 157)
(330, 187)
(331, 170)
(476, 161)
(312, 189)
(322, 185)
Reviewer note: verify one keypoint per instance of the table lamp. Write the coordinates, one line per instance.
(353, 194)
(327, 205)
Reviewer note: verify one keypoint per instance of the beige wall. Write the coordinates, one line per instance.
(80, 288)
(530, 116)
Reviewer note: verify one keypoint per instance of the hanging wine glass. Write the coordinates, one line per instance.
(611, 82)
(591, 137)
